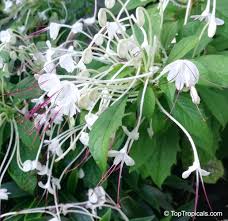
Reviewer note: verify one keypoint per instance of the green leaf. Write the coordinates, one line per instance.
(213, 70)
(26, 181)
(103, 129)
(72, 182)
(15, 191)
(92, 174)
(106, 216)
(141, 149)
(28, 135)
(169, 31)
(164, 151)
(154, 197)
(181, 48)
(26, 89)
(217, 103)
(149, 102)
(216, 169)
(191, 118)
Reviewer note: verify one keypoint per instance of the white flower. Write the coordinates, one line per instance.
(8, 4)
(67, 97)
(114, 28)
(204, 14)
(121, 156)
(30, 165)
(4, 194)
(77, 27)
(128, 48)
(54, 30)
(54, 147)
(46, 186)
(49, 83)
(110, 3)
(194, 95)
(195, 167)
(96, 197)
(7, 36)
(210, 19)
(183, 72)
(66, 61)
(84, 138)
(40, 120)
(51, 185)
(90, 119)
(56, 115)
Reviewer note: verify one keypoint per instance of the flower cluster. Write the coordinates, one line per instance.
(75, 92)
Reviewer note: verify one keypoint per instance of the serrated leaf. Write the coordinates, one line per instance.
(213, 70)
(28, 135)
(103, 129)
(217, 103)
(191, 118)
(26, 89)
(164, 151)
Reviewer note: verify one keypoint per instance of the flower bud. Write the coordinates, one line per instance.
(102, 17)
(54, 30)
(212, 27)
(140, 16)
(87, 56)
(98, 39)
(194, 95)
(110, 3)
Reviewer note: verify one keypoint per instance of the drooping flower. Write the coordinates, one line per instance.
(114, 28)
(67, 97)
(54, 30)
(210, 18)
(30, 165)
(194, 95)
(49, 83)
(128, 49)
(183, 72)
(4, 194)
(195, 167)
(121, 156)
(54, 147)
(96, 198)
